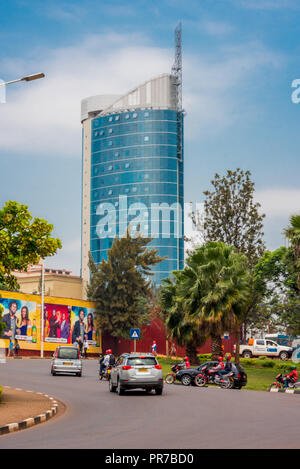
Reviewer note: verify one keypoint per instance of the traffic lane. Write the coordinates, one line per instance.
(183, 417)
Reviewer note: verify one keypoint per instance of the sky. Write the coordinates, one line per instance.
(240, 58)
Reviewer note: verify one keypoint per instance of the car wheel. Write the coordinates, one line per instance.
(158, 391)
(247, 354)
(283, 355)
(111, 387)
(79, 374)
(186, 380)
(120, 390)
(53, 373)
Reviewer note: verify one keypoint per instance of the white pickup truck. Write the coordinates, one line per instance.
(267, 348)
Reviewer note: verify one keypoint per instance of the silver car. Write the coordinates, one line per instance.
(136, 370)
(66, 360)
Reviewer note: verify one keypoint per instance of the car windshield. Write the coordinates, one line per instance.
(68, 353)
(145, 361)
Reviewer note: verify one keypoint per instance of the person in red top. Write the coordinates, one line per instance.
(187, 362)
(292, 377)
(219, 368)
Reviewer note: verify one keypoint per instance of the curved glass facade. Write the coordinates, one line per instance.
(137, 180)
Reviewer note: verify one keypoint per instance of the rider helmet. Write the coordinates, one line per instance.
(186, 359)
(220, 359)
(228, 356)
(108, 351)
(293, 367)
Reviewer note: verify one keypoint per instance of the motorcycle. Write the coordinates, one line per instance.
(105, 375)
(279, 383)
(171, 377)
(209, 376)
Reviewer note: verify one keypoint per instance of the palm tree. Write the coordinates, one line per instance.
(293, 234)
(182, 327)
(214, 288)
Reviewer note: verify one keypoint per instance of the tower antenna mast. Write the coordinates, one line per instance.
(177, 66)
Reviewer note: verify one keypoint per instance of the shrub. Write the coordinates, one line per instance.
(263, 357)
(268, 364)
(248, 361)
(283, 367)
(204, 357)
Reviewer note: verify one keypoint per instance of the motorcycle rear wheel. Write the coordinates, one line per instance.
(226, 383)
(169, 379)
(200, 381)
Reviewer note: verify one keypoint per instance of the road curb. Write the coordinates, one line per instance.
(27, 423)
(287, 391)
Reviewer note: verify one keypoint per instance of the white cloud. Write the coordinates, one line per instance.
(43, 117)
(279, 202)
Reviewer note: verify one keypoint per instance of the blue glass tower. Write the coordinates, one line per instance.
(133, 172)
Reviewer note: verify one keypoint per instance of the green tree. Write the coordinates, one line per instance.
(293, 234)
(182, 327)
(23, 241)
(214, 289)
(275, 280)
(233, 217)
(121, 286)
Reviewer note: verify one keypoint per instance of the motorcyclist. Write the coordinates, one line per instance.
(227, 366)
(106, 361)
(219, 368)
(292, 377)
(187, 363)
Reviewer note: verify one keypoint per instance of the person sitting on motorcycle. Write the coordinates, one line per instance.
(219, 368)
(292, 377)
(105, 363)
(187, 363)
(227, 367)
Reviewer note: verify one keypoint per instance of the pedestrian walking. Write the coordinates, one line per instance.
(154, 348)
(16, 348)
(85, 347)
(10, 347)
(173, 350)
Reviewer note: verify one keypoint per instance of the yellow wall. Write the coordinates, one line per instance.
(55, 285)
(37, 316)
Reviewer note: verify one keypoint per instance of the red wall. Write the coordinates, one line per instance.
(156, 331)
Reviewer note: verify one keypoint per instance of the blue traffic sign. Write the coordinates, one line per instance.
(135, 334)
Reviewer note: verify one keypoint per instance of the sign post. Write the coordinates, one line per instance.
(135, 335)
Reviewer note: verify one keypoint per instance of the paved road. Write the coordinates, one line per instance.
(183, 417)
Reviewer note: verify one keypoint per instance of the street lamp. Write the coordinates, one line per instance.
(36, 76)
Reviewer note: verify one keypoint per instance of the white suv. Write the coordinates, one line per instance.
(136, 370)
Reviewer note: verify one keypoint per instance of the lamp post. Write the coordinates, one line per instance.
(42, 309)
(35, 76)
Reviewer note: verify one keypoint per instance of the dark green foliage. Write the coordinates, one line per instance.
(121, 287)
(181, 325)
(23, 241)
(232, 216)
(207, 297)
(275, 279)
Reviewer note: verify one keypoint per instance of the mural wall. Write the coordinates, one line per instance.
(65, 322)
